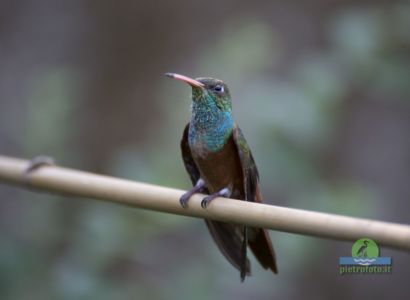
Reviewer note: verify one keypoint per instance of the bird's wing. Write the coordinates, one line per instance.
(259, 240)
(225, 235)
(250, 172)
(189, 163)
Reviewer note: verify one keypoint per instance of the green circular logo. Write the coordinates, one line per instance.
(365, 248)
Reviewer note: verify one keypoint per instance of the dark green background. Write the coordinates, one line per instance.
(321, 91)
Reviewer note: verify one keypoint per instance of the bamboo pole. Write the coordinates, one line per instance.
(157, 198)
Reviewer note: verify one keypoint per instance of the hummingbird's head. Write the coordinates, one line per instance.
(211, 122)
(207, 91)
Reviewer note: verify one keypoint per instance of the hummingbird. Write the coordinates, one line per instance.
(220, 164)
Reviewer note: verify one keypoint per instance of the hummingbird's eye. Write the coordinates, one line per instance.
(219, 88)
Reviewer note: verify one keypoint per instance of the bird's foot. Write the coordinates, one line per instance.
(199, 186)
(225, 192)
(36, 163)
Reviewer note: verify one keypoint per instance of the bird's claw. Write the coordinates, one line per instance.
(199, 187)
(206, 200)
(184, 200)
(36, 163)
(225, 192)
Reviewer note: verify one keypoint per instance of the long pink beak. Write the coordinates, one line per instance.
(186, 79)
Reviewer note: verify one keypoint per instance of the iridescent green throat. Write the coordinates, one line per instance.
(210, 126)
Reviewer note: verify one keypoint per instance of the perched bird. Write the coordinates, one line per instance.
(220, 164)
(362, 252)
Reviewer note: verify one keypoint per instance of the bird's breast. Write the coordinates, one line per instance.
(220, 169)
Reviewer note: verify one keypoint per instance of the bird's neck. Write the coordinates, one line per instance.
(209, 127)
